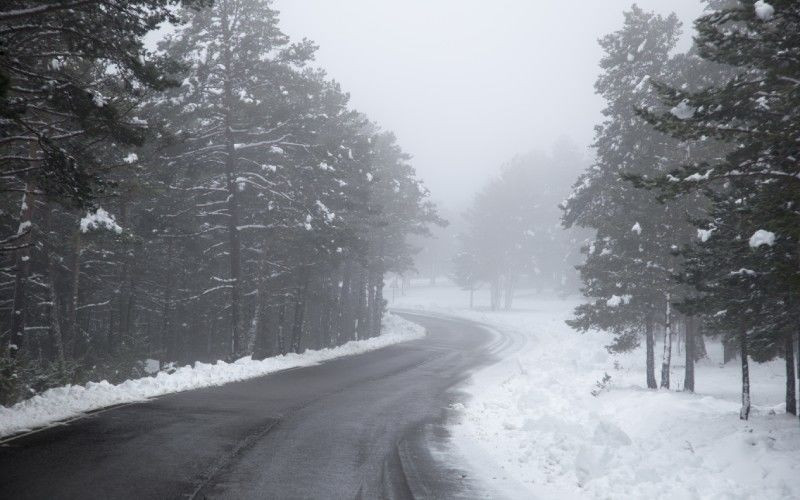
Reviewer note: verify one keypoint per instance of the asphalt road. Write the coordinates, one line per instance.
(357, 427)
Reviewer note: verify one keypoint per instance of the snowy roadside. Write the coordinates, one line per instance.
(533, 429)
(65, 402)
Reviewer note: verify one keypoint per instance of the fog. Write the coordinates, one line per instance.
(466, 84)
(382, 249)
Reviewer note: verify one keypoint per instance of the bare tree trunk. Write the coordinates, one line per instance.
(167, 337)
(345, 301)
(75, 340)
(372, 306)
(299, 313)
(495, 294)
(56, 336)
(651, 362)
(261, 346)
(23, 256)
(728, 351)
(362, 314)
(329, 297)
(509, 294)
(666, 361)
(700, 351)
(691, 334)
(281, 329)
(234, 240)
(744, 414)
(378, 302)
(791, 398)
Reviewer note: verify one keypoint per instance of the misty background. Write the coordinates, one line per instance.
(465, 84)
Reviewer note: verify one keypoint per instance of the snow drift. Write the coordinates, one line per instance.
(65, 402)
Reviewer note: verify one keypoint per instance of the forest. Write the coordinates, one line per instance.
(209, 198)
(694, 192)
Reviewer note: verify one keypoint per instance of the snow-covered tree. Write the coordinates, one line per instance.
(754, 187)
(629, 265)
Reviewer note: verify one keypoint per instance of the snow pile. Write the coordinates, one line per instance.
(705, 234)
(762, 237)
(683, 111)
(617, 300)
(764, 11)
(69, 401)
(533, 429)
(100, 219)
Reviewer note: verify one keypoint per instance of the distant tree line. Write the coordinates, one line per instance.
(694, 194)
(511, 237)
(214, 199)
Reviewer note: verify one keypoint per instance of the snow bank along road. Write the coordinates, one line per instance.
(360, 426)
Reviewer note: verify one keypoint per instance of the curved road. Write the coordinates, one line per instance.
(356, 427)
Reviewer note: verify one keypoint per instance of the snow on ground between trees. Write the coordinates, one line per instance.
(65, 402)
(533, 428)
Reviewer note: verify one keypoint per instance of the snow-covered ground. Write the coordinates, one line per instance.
(532, 428)
(70, 401)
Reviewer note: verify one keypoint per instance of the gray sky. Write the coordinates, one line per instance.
(468, 84)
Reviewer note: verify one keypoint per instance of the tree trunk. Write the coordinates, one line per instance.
(691, 335)
(362, 315)
(329, 296)
(345, 302)
(509, 294)
(700, 351)
(744, 414)
(791, 399)
(261, 346)
(495, 294)
(23, 257)
(56, 336)
(281, 330)
(728, 351)
(234, 240)
(299, 313)
(167, 337)
(651, 361)
(75, 341)
(252, 336)
(379, 305)
(666, 360)
(372, 302)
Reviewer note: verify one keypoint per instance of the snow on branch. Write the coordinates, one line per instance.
(100, 219)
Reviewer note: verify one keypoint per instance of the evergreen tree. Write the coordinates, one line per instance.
(630, 263)
(754, 186)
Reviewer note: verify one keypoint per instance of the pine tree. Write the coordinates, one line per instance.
(236, 111)
(754, 186)
(630, 264)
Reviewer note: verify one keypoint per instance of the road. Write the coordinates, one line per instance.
(357, 427)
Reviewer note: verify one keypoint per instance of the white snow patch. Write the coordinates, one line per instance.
(131, 158)
(705, 234)
(696, 177)
(98, 99)
(532, 429)
(617, 300)
(70, 401)
(637, 228)
(762, 237)
(99, 220)
(764, 11)
(683, 111)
